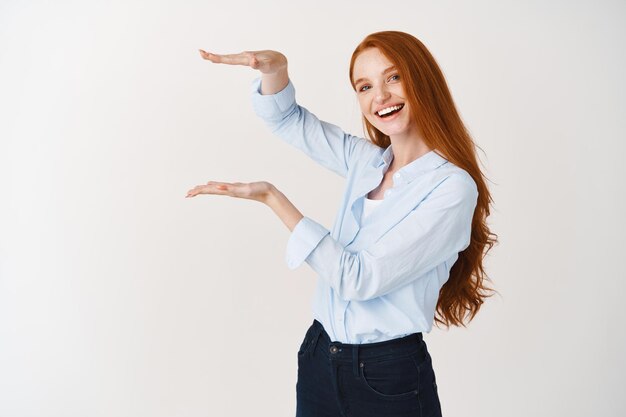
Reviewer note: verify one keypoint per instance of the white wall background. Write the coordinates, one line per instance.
(119, 297)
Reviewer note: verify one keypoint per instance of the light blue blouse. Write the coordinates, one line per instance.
(378, 278)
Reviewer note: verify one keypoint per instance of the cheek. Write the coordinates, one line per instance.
(363, 105)
(398, 90)
(370, 118)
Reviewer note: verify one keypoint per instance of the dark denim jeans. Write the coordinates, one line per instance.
(384, 379)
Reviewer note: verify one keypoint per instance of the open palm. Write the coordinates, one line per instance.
(266, 61)
(257, 191)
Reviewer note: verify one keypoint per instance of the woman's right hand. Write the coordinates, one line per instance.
(271, 64)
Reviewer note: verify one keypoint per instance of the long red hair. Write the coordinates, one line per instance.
(436, 116)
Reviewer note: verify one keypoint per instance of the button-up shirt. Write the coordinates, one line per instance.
(378, 277)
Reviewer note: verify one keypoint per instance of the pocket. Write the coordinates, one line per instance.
(393, 378)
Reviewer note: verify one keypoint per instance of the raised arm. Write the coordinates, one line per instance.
(273, 98)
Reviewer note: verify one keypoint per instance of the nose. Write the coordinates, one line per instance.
(382, 94)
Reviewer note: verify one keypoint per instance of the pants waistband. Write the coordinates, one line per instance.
(388, 349)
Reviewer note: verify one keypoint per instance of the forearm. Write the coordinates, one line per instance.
(283, 208)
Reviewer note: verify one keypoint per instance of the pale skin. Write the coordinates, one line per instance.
(378, 87)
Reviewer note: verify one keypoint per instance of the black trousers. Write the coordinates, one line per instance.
(384, 379)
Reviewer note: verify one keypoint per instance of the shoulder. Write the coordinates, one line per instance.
(453, 180)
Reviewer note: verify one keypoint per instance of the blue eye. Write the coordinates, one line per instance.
(396, 76)
(362, 88)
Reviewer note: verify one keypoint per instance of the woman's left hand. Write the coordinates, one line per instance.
(258, 191)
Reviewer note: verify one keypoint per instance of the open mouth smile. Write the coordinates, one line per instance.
(389, 112)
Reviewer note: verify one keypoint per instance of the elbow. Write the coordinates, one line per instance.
(358, 284)
(352, 276)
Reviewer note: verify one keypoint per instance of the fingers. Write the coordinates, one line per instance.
(212, 187)
(243, 58)
(253, 191)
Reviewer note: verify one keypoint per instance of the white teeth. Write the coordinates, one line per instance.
(389, 110)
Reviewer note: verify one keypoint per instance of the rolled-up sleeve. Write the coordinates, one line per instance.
(438, 228)
(303, 240)
(272, 106)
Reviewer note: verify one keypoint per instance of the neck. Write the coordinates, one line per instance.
(406, 149)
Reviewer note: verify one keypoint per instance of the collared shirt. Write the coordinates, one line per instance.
(378, 277)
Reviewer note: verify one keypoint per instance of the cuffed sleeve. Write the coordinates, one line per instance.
(303, 240)
(272, 106)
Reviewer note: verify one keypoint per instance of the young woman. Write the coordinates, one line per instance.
(410, 234)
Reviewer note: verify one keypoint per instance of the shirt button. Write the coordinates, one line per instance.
(396, 175)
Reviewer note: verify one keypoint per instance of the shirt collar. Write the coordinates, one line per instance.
(427, 162)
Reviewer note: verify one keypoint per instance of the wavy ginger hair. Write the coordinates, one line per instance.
(442, 129)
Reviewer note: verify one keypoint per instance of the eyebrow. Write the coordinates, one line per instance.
(391, 68)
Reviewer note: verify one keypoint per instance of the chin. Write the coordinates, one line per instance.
(391, 131)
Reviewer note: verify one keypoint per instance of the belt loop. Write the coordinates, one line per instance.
(355, 360)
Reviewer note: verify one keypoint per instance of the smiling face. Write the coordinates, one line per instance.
(381, 94)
